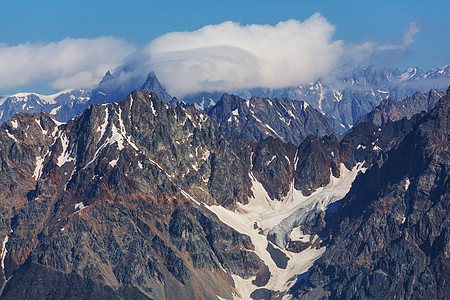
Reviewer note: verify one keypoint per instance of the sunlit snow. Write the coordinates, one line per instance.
(65, 155)
(4, 251)
(79, 206)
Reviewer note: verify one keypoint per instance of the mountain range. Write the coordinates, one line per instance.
(350, 93)
(63, 105)
(144, 199)
(389, 239)
(343, 96)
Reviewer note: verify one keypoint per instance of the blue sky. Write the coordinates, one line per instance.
(133, 24)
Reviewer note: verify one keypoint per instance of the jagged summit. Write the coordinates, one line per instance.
(152, 84)
(108, 76)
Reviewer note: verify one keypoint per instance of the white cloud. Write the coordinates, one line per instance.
(409, 36)
(361, 52)
(230, 56)
(69, 63)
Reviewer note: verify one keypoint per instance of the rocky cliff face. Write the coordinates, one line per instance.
(390, 237)
(258, 118)
(152, 84)
(391, 110)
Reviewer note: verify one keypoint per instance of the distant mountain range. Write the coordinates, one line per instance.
(343, 98)
(145, 200)
(63, 105)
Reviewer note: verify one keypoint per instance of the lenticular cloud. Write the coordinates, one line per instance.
(229, 56)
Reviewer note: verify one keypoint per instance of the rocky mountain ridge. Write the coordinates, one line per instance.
(140, 199)
(343, 96)
(391, 110)
(348, 94)
(390, 237)
(93, 206)
(257, 118)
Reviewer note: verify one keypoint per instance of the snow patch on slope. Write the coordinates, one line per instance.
(45, 99)
(65, 155)
(55, 110)
(14, 124)
(80, 206)
(407, 199)
(102, 127)
(124, 131)
(113, 162)
(4, 251)
(300, 209)
(11, 136)
(39, 166)
(153, 109)
(38, 121)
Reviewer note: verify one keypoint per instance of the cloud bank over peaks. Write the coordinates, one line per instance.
(215, 58)
(230, 56)
(68, 63)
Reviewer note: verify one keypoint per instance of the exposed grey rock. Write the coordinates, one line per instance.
(152, 84)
